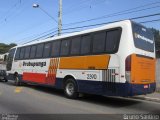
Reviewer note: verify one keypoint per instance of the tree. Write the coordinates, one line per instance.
(5, 47)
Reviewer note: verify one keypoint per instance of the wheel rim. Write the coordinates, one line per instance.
(70, 89)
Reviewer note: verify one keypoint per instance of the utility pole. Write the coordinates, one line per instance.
(60, 18)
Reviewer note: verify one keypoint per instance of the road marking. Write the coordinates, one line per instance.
(18, 89)
(67, 103)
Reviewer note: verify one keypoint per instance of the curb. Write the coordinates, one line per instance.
(148, 99)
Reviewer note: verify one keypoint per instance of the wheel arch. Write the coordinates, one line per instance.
(68, 77)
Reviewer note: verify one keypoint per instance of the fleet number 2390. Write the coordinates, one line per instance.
(91, 76)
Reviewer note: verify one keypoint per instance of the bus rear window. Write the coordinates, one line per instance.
(143, 38)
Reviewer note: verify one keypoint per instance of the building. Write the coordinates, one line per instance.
(3, 57)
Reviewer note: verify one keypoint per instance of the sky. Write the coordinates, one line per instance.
(21, 23)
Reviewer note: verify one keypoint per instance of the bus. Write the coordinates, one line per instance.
(117, 59)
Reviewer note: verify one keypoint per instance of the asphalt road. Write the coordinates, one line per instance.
(31, 99)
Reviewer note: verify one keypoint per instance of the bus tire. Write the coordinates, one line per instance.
(70, 89)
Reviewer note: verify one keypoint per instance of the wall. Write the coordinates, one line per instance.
(158, 74)
(2, 67)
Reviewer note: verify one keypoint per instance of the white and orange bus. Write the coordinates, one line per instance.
(117, 59)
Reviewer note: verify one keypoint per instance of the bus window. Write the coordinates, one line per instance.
(46, 51)
(22, 53)
(86, 45)
(33, 51)
(39, 50)
(99, 42)
(112, 41)
(65, 47)
(143, 38)
(27, 52)
(75, 46)
(55, 48)
(17, 54)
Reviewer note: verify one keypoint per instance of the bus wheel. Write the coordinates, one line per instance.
(70, 89)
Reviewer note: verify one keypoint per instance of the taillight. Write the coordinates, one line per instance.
(128, 63)
(128, 68)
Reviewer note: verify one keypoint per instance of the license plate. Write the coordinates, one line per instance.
(145, 86)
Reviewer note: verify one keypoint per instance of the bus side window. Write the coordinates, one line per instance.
(65, 45)
(112, 42)
(33, 51)
(46, 51)
(86, 45)
(27, 52)
(99, 42)
(55, 48)
(39, 50)
(22, 53)
(75, 46)
(17, 54)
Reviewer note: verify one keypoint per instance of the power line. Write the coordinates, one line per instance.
(82, 7)
(151, 15)
(143, 6)
(15, 14)
(156, 20)
(71, 31)
(48, 14)
(118, 13)
(44, 36)
(112, 14)
(134, 18)
(30, 28)
(78, 27)
(10, 10)
(36, 35)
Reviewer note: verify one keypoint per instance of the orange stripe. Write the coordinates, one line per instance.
(85, 62)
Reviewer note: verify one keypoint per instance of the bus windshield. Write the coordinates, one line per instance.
(143, 37)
